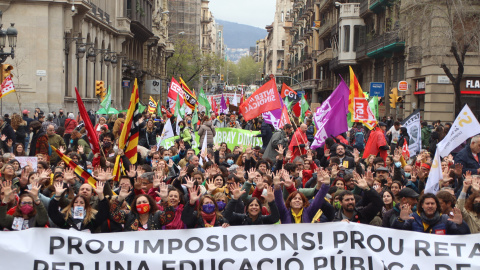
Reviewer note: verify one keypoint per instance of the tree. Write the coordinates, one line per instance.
(450, 33)
(245, 71)
(189, 63)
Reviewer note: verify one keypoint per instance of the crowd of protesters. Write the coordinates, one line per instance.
(280, 182)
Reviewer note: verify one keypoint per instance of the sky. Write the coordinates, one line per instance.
(258, 13)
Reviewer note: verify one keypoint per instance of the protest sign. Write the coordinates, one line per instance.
(338, 245)
(265, 99)
(412, 124)
(25, 160)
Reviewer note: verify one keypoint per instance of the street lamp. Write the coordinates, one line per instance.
(11, 33)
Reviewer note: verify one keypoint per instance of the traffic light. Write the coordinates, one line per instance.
(263, 76)
(104, 93)
(393, 98)
(99, 88)
(6, 71)
(221, 77)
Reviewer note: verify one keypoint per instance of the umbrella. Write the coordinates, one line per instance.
(110, 111)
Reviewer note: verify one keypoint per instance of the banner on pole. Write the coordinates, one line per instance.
(338, 245)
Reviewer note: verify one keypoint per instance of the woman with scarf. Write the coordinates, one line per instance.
(28, 213)
(39, 142)
(144, 214)
(79, 214)
(148, 135)
(206, 214)
(174, 203)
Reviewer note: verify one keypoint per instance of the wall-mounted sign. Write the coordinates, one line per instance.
(443, 79)
(377, 89)
(402, 86)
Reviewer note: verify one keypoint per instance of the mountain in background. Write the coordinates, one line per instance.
(239, 38)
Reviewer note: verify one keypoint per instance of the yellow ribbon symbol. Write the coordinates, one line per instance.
(435, 164)
(462, 121)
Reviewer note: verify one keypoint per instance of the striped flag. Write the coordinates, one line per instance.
(117, 169)
(152, 105)
(78, 170)
(129, 135)
(189, 95)
(7, 87)
(91, 134)
(356, 92)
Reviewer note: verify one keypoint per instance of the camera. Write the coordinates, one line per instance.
(73, 8)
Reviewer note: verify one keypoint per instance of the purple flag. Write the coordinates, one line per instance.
(342, 91)
(223, 106)
(273, 117)
(332, 124)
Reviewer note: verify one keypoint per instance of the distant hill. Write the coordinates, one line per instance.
(241, 36)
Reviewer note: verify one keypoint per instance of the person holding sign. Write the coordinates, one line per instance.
(79, 214)
(29, 212)
(253, 213)
(207, 213)
(297, 209)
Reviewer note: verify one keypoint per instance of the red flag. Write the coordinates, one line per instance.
(284, 119)
(242, 99)
(214, 105)
(172, 94)
(287, 91)
(296, 109)
(91, 134)
(265, 99)
(405, 151)
(166, 112)
(130, 131)
(228, 102)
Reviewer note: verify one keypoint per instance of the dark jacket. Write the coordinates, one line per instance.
(147, 139)
(57, 217)
(191, 218)
(244, 219)
(366, 210)
(465, 157)
(8, 131)
(266, 134)
(28, 120)
(391, 216)
(443, 226)
(310, 133)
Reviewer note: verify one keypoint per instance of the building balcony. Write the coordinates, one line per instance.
(324, 28)
(350, 10)
(414, 55)
(140, 14)
(323, 4)
(309, 84)
(364, 7)
(361, 51)
(324, 56)
(206, 20)
(287, 25)
(326, 84)
(385, 45)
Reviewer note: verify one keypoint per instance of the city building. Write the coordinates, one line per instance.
(77, 43)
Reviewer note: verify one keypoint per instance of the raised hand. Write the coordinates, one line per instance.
(322, 176)
(7, 191)
(156, 180)
(211, 185)
(163, 191)
(59, 189)
(236, 190)
(183, 172)
(327, 152)
(405, 212)
(190, 182)
(269, 197)
(280, 149)
(334, 171)
(457, 216)
(252, 173)
(69, 176)
(99, 190)
(137, 184)
(194, 194)
(240, 173)
(62, 150)
(170, 163)
(288, 156)
(359, 181)
(3, 138)
(34, 190)
(131, 172)
(277, 180)
(124, 192)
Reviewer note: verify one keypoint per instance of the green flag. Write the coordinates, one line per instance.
(304, 107)
(349, 119)
(195, 119)
(288, 103)
(373, 104)
(182, 111)
(159, 110)
(203, 100)
(141, 107)
(177, 106)
(107, 100)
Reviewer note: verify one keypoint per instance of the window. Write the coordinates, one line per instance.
(356, 37)
(346, 38)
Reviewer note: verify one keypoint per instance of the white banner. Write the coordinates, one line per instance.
(293, 246)
(412, 123)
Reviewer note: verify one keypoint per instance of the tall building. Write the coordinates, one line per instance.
(185, 18)
(375, 38)
(76, 43)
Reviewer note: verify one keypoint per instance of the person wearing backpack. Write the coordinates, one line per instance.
(357, 137)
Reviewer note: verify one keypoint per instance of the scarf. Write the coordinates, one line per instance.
(177, 222)
(206, 217)
(430, 221)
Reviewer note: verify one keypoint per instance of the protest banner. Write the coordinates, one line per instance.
(25, 160)
(412, 124)
(218, 98)
(338, 245)
(265, 99)
(231, 136)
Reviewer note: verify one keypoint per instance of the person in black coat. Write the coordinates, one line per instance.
(403, 137)
(266, 133)
(469, 156)
(7, 130)
(253, 215)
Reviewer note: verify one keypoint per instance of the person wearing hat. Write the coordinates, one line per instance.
(429, 219)
(406, 196)
(382, 173)
(377, 143)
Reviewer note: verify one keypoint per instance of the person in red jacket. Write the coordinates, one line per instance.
(298, 143)
(377, 143)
